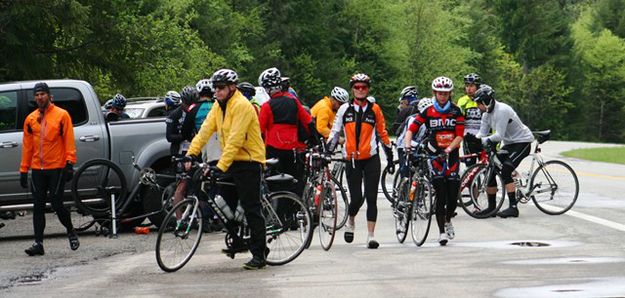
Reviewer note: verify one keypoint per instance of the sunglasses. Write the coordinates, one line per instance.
(361, 87)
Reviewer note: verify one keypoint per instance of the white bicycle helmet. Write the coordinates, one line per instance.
(172, 99)
(340, 94)
(409, 91)
(442, 84)
(359, 78)
(424, 103)
(225, 76)
(270, 77)
(204, 86)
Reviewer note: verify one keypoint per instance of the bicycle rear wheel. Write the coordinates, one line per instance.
(402, 211)
(179, 238)
(287, 230)
(390, 183)
(555, 187)
(328, 213)
(94, 183)
(342, 202)
(80, 220)
(422, 212)
(479, 196)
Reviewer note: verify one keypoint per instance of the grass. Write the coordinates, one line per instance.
(610, 154)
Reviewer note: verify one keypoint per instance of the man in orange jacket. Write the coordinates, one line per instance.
(49, 150)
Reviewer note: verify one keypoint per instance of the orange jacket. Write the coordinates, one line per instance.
(364, 144)
(324, 116)
(49, 144)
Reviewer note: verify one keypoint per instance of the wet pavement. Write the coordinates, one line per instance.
(535, 255)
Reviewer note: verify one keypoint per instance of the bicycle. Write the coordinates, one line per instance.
(320, 195)
(468, 199)
(553, 186)
(390, 194)
(99, 184)
(287, 231)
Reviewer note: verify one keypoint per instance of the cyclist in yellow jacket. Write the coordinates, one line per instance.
(243, 156)
(324, 111)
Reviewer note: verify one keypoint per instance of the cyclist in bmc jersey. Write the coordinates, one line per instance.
(361, 120)
(516, 138)
(472, 117)
(445, 123)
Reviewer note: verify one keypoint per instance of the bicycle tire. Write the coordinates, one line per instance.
(422, 212)
(177, 232)
(480, 197)
(390, 195)
(328, 213)
(286, 234)
(548, 172)
(342, 203)
(308, 200)
(465, 200)
(103, 178)
(402, 211)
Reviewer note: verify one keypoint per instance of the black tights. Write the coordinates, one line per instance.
(367, 171)
(446, 198)
(52, 183)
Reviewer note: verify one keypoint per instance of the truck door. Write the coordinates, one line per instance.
(10, 145)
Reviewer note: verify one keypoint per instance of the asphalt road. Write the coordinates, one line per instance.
(583, 256)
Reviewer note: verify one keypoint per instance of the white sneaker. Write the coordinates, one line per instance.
(349, 233)
(442, 239)
(372, 243)
(449, 230)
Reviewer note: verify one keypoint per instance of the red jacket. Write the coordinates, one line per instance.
(282, 121)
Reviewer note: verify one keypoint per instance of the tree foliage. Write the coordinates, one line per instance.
(560, 64)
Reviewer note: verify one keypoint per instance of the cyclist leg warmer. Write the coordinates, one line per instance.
(453, 185)
(371, 178)
(57, 181)
(354, 183)
(39, 190)
(246, 176)
(441, 197)
(512, 197)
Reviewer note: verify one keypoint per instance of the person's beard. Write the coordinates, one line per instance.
(43, 106)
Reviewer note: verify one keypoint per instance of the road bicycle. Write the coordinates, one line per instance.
(551, 185)
(415, 198)
(288, 222)
(320, 196)
(100, 184)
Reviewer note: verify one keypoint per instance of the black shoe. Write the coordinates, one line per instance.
(35, 250)
(235, 249)
(7, 215)
(510, 212)
(488, 212)
(74, 243)
(255, 264)
(373, 244)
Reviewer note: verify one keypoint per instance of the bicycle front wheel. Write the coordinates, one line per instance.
(328, 213)
(342, 202)
(179, 238)
(555, 187)
(422, 212)
(287, 229)
(464, 194)
(402, 211)
(390, 183)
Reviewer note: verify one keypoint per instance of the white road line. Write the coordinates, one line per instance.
(597, 220)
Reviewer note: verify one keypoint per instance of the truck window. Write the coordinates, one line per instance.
(8, 110)
(157, 112)
(69, 99)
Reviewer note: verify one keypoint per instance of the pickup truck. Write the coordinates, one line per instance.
(120, 141)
